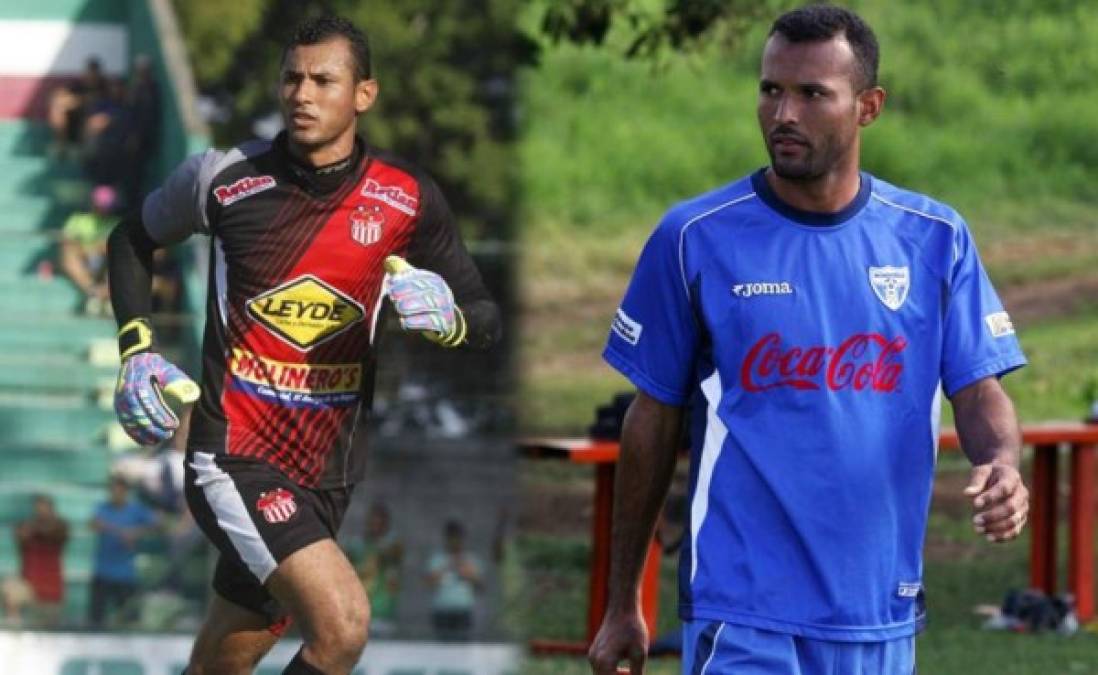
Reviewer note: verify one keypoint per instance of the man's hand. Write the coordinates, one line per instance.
(1000, 501)
(146, 385)
(622, 637)
(425, 303)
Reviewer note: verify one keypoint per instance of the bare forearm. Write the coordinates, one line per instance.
(648, 446)
(987, 424)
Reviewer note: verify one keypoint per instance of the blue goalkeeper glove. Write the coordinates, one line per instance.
(425, 303)
(148, 388)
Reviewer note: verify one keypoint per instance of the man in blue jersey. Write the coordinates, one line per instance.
(814, 315)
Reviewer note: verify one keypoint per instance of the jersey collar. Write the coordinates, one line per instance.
(812, 218)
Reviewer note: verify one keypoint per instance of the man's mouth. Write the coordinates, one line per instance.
(787, 141)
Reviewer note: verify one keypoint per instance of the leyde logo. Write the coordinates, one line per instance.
(305, 311)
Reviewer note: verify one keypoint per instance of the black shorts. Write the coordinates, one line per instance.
(256, 517)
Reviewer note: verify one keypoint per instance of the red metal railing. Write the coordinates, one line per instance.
(1046, 439)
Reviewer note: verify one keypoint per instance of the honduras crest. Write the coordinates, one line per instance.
(890, 284)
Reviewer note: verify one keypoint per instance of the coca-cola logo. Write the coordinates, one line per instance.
(862, 362)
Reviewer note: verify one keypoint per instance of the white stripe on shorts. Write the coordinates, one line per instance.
(232, 515)
(713, 651)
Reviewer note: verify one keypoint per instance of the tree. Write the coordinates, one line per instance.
(446, 73)
(677, 25)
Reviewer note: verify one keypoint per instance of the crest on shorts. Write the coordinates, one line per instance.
(366, 222)
(277, 506)
(890, 284)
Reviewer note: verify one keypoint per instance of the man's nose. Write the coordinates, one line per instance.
(786, 110)
(303, 92)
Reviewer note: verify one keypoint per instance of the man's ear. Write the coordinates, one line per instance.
(870, 103)
(365, 95)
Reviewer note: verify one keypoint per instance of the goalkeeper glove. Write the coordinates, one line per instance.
(148, 387)
(425, 303)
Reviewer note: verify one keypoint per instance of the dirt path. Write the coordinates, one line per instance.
(1039, 300)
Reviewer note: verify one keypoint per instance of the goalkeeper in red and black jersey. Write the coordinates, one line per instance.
(310, 233)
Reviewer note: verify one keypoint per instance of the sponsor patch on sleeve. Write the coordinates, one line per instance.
(999, 324)
(909, 589)
(626, 328)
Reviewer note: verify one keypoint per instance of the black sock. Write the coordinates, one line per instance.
(299, 666)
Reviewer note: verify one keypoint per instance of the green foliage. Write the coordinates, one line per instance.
(215, 30)
(445, 70)
(989, 103)
(653, 27)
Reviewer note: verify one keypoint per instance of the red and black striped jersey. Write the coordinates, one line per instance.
(296, 285)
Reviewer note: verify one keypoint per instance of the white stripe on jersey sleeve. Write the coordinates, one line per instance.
(682, 235)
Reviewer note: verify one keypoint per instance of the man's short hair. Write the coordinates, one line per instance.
(323, 28)
(818, 23)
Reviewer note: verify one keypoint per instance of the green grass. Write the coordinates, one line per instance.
(1063, 356)
(981, 115)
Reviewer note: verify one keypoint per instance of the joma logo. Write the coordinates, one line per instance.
(762, 288)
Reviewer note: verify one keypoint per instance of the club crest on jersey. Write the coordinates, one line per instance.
(305, 311)
(366, 222)
(891, 285)
(393, 195)
(277, 506)
(242, 189)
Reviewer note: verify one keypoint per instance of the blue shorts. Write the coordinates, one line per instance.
(716, 648)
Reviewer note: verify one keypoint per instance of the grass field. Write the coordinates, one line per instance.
(962, 571)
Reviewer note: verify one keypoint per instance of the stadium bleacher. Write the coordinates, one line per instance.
(52, 415)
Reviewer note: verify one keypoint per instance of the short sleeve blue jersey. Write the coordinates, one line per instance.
(815, 349)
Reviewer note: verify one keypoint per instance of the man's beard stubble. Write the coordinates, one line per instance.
(804, 169)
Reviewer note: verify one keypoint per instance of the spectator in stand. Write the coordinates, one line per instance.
(456, 577)
(158, 479)
(68, 106)
(145, 115)
(41, 541)
(120, 523)
(108, 155)
(379, 556)
(83, 248)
